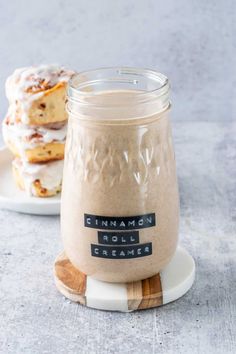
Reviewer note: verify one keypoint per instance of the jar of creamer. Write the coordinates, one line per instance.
(120, 204)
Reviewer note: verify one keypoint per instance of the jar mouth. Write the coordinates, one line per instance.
(86, 87)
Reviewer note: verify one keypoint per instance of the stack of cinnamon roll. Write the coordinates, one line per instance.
(35, 127)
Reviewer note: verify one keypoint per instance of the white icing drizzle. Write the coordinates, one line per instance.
(22, 135)
(49, 175)
(28, 84)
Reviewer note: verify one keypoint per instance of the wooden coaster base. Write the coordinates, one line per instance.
(168, 285)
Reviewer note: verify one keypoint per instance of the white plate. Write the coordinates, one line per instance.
(12, 198)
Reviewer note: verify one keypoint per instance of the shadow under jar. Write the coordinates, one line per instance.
(120, 204)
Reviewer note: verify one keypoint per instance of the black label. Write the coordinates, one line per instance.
(119, 252)
(119, 223)
(118, 238)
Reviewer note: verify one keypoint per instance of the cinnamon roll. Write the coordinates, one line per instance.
(39, 180)
(37, 95)
(35, 143)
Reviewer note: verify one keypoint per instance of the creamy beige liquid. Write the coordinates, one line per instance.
(119, 169)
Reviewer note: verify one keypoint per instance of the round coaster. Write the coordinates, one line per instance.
(168, 285)
(12, 198)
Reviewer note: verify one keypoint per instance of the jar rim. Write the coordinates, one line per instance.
(79, 82)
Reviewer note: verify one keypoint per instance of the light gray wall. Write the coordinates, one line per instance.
(191, 41)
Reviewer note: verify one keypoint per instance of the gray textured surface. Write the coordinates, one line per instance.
(192, 41)
(35, 318)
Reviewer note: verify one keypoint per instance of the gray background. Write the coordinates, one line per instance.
(193, 42)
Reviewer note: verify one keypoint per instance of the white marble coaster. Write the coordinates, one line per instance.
(168, 285)
(14, 199)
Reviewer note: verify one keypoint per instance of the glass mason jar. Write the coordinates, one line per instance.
(120, 204)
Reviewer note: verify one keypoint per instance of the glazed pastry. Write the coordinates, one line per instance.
(35, 127)
(35, 143)
(37, 95)
(39, 180)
